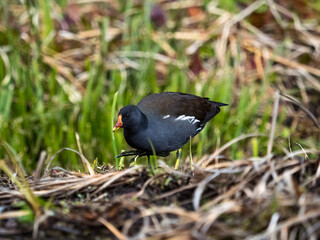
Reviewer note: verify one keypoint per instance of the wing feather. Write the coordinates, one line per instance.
(177, 104)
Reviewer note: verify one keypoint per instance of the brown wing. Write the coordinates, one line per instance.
(178, 104)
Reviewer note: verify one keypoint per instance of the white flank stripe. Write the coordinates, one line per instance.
(190, 119)
(180, 118)
(196, 120)
(166, 116)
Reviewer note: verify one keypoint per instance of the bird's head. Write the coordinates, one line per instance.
(129, 117)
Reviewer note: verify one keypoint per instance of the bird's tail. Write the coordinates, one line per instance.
(219, 104)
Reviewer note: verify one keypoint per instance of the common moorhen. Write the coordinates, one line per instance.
(164, 122)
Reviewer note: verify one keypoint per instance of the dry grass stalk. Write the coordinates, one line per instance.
(219, 197)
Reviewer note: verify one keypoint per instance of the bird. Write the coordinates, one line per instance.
(163, 122)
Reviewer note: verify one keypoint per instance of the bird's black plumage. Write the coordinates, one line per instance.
(164, 122)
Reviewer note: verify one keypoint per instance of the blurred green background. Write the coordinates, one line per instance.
(62, 63)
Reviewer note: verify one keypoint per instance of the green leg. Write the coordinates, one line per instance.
(179, 155)
(191, 160)
(150, 167)
(133, 160)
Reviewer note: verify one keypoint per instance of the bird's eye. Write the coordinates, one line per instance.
(127, 115)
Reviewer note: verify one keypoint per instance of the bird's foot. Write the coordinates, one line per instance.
(132, 153)
(133, 160)
(135, 153)
(139, 153)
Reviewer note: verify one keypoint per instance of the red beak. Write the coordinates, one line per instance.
(119, 124)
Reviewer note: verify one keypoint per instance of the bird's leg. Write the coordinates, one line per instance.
(179, 155)
(191, 159)
(134, 159)
(150, 167)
